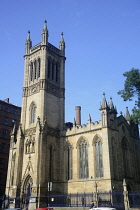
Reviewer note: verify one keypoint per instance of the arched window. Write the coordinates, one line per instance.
(57, 72)
(98, 158)
(49, 68)
(53, 65)
(114, 158)
(35, 69)
(68, 161)
(39, 65)
(125, 150)
(83, 159)
(31, 71)
(33, 113)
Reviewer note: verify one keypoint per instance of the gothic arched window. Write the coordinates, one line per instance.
(33, 113)
(98, 158)
(57, 72)
(83, 159)
(31, 71)
(49, 68)
(39, 66)
(35, 69)
(53, 69)
(125, 157)
(114, 158)
(68, 162)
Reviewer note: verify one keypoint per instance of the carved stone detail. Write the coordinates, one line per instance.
(30, 131)
(43, 84)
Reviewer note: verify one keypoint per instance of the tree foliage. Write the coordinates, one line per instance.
(132, 90)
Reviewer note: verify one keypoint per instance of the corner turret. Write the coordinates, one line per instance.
(28, 44)
(45, 34)
(127, 115)
(104, 108)
(62, 44)
(113, 110)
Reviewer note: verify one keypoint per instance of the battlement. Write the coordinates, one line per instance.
(84, 128)
(53, 48)
(35, 48)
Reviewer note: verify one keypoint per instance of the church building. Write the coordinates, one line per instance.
(49, 154)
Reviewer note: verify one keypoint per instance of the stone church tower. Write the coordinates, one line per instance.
(35, 159)
(45, 156)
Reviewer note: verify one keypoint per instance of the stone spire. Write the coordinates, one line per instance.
(111, 106)
(104, 103)
(28, 44)
(62, 44)
(45, 34)
(127, 115)
(89, 118)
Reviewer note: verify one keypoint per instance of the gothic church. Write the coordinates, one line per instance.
(45, 152)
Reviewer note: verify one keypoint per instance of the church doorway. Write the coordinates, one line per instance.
(27, 190)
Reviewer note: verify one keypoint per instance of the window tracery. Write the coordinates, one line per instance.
(98, 158)
(39, 65)
(83, 159)
(32, 113)
(31, 71)
(68, 161)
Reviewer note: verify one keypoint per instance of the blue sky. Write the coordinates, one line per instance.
(102, 42)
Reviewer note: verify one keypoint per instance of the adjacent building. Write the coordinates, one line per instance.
(9, 115)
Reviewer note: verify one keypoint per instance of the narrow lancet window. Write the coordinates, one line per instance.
(53, 71)
(99, 161)
(56, 76)
(39, 64)
(35, 69)
(31, 71)
(49, 68)
(68, 161)
(83, 159)
(33, 114)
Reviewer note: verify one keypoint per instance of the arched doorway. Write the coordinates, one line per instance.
(27, 190)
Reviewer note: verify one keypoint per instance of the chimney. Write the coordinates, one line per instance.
(78, 115)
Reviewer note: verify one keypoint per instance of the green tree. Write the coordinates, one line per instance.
(132, 90)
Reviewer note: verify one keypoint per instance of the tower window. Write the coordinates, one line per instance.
(52, 71)
(57, 70)
(49, 68)
(31, 71)
(35, 69)
(39, 63)
(33, 113)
